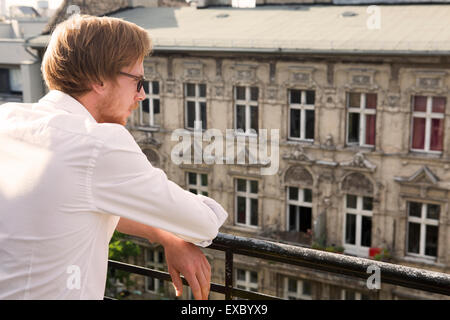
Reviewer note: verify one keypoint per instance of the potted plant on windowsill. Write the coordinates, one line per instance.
(380, 254)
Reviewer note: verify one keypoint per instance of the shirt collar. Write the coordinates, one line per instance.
(63, 101)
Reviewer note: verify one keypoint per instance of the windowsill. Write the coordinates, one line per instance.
(244, 134)
(426, 261)
(148, 129)
(294, 141)
(243, 228)
(423, 153)
(359, 147)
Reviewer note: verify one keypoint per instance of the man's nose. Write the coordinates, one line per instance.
(141, 94)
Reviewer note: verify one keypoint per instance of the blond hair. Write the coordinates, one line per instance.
(87, 49)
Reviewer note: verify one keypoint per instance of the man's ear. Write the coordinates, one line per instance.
(99, 88)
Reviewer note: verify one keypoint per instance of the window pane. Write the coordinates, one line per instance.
(371, 100)
(309, 133)
(145, 86)
(160, 256)
(194, 191)
(437, 134)
(415, 209)
(353, 127)
(370, 129)
(145, 106)
(413, 237)
(240, 93)
(433, 211)
(204, 180)
(241, 185)
(431, 241)
(202, 89)
(354, 100)
(310, 97)
(305, 219)
(254, 118)
(254, 93)
(205, 193)
(155, 106)
(307, 288)
(203, 114)
(418, 137)
(420, 103)
(240, 117)
(254, 186)
(350, 295)
(241, 209)
(351, 201)
(190, 114)
(296, 96)
(295, 123)
(307, 195)
(150, 256)
(367, 203)
(292, 285)
(254, 212)
(366, 231)
(253, 277)
(190, 90)
(293, 211)
(155, 87)
(350, 228)
(192, 178)
(439, 104)
(293, 193)
(240, 274)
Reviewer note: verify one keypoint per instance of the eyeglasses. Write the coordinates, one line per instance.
(140, 79)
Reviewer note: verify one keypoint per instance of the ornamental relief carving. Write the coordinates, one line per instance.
(357, 183)
(298, 175)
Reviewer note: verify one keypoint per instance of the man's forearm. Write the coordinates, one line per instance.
(152, 234)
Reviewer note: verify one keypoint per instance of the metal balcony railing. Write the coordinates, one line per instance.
(310, 258)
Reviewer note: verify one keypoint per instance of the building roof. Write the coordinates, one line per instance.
(404, 29)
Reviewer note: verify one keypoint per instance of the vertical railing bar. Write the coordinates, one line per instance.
(228, 274)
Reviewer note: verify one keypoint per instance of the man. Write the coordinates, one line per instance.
(71, 174)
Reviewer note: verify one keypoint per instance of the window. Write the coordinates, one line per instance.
(197, 183)
(358, 224)
(428, 123)
(297, 289)
(361, 118)
(246, 109)
(247, 280)
(154, 259)
(347, 294)
(195, 106)
(247, 202)
(149, 108)
(299, 209)
(422, 234)
(10, 81)
(301, 115)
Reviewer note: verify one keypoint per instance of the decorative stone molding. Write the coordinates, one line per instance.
(244, 74)
(151, 71)
(193, 71)
(329, 143)
(430, 80)
(357, 183)
(361, 78)
(301, 76)
(297, 154)
(360, 162)
(298, 175)
(152, 156)
(423, 176)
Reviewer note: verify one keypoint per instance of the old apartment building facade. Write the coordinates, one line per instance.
(364, 149)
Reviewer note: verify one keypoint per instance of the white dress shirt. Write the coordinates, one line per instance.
(65, 181)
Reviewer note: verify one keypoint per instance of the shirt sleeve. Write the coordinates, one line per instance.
(124, 183)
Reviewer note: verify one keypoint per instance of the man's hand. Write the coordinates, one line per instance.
(186, 258)
(181, 256)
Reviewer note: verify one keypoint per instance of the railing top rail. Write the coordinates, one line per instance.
(336, 263)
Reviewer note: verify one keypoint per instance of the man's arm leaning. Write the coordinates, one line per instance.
(181, 256)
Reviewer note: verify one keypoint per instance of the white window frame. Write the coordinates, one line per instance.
(248, 103)
(428, 115)
(248, 196)
(247, 284)
(157, 265)
(299, 295)
(198, 187)
(424, 222)
(303, 107)
(197, 100)
(358, 295)
(150, 96)
(363, 112)
(299, 203)
(357, 248)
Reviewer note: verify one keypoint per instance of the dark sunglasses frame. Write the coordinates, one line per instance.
(140, 80)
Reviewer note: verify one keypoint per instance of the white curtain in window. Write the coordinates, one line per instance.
(15, 79)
